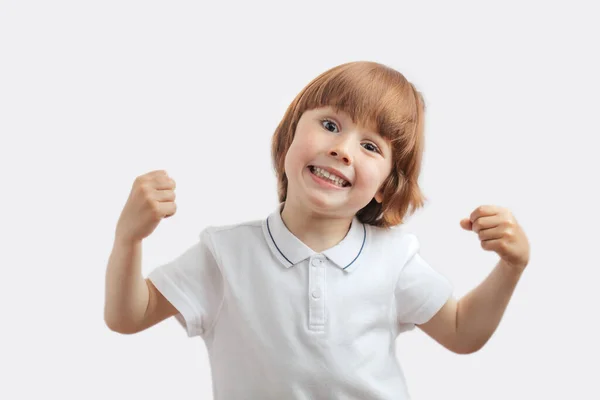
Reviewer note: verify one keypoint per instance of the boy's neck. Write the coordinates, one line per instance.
(318, 232)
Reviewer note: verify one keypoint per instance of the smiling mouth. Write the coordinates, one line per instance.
(326, 176)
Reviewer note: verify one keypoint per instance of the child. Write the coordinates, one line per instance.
(307, 302)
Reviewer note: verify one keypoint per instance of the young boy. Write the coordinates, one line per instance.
(307, 303)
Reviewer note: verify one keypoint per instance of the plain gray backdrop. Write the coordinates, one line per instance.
(93, 94)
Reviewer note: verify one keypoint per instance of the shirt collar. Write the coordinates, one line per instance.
(290, 250)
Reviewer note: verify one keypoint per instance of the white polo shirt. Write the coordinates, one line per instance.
(281, 321)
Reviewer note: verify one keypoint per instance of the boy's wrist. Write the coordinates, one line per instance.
(125, 242)
(513, 270)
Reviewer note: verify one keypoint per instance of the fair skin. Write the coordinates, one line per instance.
(320, 216)
(466, 325)
(319, 213)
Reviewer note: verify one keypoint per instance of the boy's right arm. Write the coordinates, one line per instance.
(132, 303)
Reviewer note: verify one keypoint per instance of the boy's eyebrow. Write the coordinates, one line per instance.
(347, 117)
(373, 132)
(344, 115)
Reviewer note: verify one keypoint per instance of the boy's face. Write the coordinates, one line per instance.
(330, 140)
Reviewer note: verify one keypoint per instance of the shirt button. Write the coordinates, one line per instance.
(316, 262)
(316, 293)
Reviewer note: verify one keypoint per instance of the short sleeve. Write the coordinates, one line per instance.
(193, 283)
(420, 290)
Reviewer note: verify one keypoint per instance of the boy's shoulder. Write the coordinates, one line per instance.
(239, 230)
(392, 235)
(394, 240)
(238, 225)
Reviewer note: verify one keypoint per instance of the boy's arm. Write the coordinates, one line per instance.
(132, 303)
(464, 326)
(159, 308)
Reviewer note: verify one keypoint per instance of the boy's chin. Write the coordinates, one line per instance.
(330, 206)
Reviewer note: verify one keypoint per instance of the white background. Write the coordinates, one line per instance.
(93, 94)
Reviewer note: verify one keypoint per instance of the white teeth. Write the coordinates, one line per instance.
(324, 174)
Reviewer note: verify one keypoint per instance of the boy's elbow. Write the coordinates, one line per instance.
(469, 347)
(464, 351)
(120, 328)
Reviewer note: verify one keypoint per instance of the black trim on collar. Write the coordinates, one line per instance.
(275, 243)
(291, 263)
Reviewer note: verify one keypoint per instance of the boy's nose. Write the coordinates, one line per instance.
(341, 155)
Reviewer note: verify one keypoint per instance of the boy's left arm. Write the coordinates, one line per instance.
(464, 326)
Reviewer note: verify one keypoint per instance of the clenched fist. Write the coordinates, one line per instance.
(152, 198)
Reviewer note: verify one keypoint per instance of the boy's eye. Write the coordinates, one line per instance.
(328, 121)
(371, 146)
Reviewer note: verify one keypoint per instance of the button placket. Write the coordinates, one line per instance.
(316, 294)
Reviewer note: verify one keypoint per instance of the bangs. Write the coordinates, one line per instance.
(373, 95)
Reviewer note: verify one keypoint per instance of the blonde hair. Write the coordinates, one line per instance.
(373, 95)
